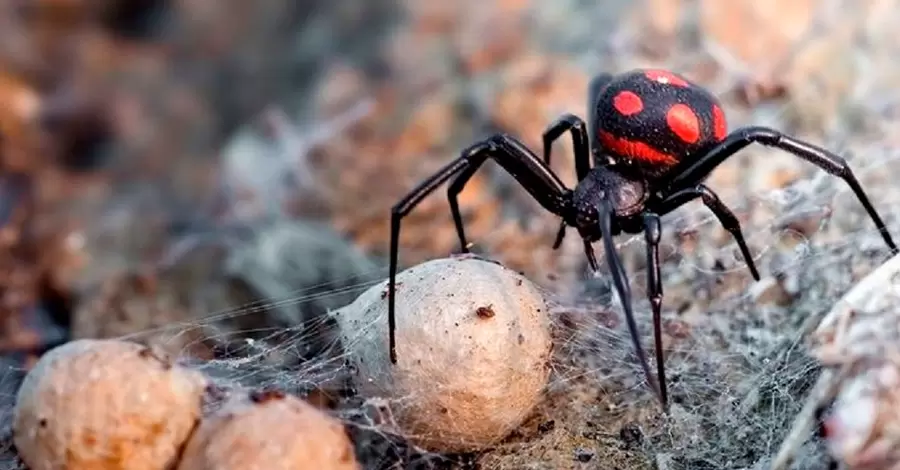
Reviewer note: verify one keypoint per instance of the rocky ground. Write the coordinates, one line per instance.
(166, 164)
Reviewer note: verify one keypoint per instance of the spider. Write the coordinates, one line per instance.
(653, 138)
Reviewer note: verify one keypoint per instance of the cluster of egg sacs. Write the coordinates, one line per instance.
(473, 344)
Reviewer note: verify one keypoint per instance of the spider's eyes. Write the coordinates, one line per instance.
(586, 216)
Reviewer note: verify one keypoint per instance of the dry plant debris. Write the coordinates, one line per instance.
(857, 343)
(473, 351)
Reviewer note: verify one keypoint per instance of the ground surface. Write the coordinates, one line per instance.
(163, 162)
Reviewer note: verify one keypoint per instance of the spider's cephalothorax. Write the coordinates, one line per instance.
(627, 196)
(655, 119)
(654, 137)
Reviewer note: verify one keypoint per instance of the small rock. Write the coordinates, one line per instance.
(770, 291)
(584, 455)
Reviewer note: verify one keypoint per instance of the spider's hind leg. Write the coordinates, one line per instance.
(825, 160)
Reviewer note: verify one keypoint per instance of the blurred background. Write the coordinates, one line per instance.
(161, 161)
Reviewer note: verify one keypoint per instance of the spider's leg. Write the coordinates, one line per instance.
(697, 171)
(560, 235)
(574, 124)
(527, 169)
(582, 138)
(591, 257)
(453, 190)
(400, 210)
(652, 235)
(620, 281)
(531, 173)
(726, 217)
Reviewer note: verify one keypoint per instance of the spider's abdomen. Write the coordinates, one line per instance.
(656, 119)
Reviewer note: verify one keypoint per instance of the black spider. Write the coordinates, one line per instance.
(654, 138)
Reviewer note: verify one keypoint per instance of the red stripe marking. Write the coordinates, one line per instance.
(628, 103)
(664, 76)
(720, 125)
(634, 149)
(684, 123)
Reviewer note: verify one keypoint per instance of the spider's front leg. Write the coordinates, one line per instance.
(513, 156)
(652, 236)
(623, 288)
(697, 171)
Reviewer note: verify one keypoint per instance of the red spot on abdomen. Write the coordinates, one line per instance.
(628, 103)
(666, 77)
(635, 149)
(682, 120)
(720, 125)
